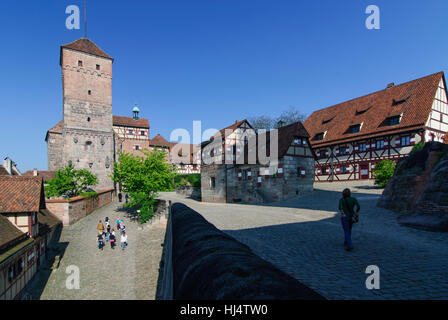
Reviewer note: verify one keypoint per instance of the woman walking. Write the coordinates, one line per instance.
(100, 227)
(347, 206)
(124, 241)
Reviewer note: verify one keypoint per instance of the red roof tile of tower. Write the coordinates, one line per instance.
(87, 46)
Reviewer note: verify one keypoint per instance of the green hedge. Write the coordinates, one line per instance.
(193, 180)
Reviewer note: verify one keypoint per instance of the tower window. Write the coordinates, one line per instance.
(79, 63)
(88, 119)
(97, 67)
(88, 145)
(89, 92)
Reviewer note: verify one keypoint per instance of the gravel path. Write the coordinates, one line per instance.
(111, 274)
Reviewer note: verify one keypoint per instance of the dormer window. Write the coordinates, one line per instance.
(354, 128)
(392, 121)
(319, 136)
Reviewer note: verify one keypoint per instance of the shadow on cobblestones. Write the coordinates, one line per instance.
(55, 249)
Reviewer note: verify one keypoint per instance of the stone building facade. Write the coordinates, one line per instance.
(86, 135)
(226, 179)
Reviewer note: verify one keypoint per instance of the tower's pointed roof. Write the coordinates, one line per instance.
(87, 46)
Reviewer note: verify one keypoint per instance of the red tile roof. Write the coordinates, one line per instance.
(130, 122)
(21, 194)
(45, 175)
(87, 46)
(413, 99)
(159, 141)
(9, 233)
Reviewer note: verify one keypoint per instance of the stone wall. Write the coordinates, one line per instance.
(71, 210)
(218, 192)
(54, 151)
(274, 187)
(188, 191)
(208, 264)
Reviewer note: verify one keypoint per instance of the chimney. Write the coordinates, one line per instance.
(7, 164)
(35, 172)
(390, 85)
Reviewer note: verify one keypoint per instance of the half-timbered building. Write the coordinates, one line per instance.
(242, 165)
(26, 232)
(351, 137)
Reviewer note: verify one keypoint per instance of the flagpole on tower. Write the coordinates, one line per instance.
(85, 19)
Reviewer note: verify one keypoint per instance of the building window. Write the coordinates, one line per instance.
(137, 147)
(343, 151)
(142, 133)
(89, 92)
(131, 131)
(319, 136)
(88, 146)
(245, 175)
(97, 67)
(88, 119)
(79, 63)
(362, 147)
(354, 128)
(343, 169)
(406, 141)
(380, 144)
(324, 170)
(213, 182)
(392, 121)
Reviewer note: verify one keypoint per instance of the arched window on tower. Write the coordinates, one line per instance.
(88, 146)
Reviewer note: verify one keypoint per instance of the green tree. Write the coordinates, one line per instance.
(384, 170)
(70, 182)
(143, 177)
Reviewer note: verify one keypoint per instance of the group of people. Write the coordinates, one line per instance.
(106, 233)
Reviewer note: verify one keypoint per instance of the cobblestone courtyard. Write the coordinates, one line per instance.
(304, 238)
(111, 273)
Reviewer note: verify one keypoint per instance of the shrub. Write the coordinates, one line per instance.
(70, 182)
(193, 180)
(418, 146)
(384, 170)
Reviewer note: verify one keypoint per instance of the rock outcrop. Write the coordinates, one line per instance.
(419, 188)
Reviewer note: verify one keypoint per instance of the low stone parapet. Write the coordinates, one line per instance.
(73, 209)
(203, 263)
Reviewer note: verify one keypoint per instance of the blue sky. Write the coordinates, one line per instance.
(211, 60)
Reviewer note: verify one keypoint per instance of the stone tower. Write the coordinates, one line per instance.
(87, 134)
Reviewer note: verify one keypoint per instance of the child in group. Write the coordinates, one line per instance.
(122, 228)
(100, 242)
(124, 241)
(108, 232)
(112, 239)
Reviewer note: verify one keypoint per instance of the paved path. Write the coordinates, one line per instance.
(304, 238)
(108, 274)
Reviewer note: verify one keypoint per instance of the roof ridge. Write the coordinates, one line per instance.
(376, 92)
